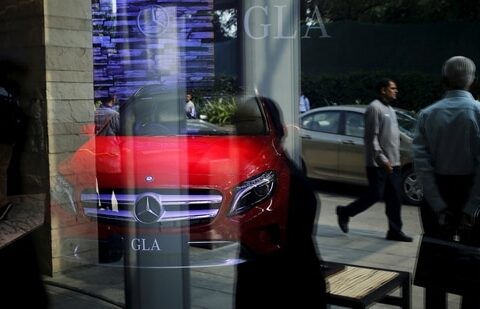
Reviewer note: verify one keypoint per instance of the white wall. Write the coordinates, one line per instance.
(271, 51)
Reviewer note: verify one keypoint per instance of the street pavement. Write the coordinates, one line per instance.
(102, 286)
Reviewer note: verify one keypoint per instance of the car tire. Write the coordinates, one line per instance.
(412, 191)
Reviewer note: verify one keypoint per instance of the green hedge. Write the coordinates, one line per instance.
(217, 102)
(219, 110)
(416, 90)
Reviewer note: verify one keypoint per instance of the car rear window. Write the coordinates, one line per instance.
(162, 114)
(406, 122)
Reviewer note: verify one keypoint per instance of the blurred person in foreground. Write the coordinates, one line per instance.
(107, 127)
(107, 123)
(446, 151)
(294, 273)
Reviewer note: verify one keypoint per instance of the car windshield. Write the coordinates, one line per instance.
(406, 122)
(161, 114)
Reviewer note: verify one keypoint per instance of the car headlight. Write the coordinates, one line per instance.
(253, 191)
(63, 193)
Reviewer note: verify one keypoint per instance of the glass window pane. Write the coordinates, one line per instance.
(327, 122)
(354, 124)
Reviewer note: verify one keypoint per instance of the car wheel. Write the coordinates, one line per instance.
(412, 191)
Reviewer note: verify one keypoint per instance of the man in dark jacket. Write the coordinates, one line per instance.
(107, 119)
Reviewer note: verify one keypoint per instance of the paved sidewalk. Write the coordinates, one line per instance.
(365, 244)
(96, 286)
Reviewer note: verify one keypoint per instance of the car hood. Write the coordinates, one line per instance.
(170, 161)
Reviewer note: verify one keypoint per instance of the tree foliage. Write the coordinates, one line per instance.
(225, 24)
(394, 11)
(416, 90)
(219, 110)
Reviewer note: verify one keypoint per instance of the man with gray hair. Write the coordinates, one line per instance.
(446, 151)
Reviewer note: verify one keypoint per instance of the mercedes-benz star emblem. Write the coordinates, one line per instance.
(153, 20)
(148, 208)
(149, 179)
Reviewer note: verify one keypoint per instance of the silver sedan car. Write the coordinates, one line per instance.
(333, 148)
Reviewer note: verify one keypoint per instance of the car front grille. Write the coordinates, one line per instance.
(164, 206)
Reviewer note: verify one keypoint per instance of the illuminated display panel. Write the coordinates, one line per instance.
(139, 42)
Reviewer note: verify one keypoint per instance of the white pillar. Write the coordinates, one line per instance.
(270, 32)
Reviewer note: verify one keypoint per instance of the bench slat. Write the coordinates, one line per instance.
(354, 282)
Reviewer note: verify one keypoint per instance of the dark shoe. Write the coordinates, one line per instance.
(342, 219)
(398, 236)
(4, 210)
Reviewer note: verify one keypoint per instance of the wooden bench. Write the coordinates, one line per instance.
(356, 286)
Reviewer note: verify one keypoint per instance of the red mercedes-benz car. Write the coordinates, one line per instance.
(169, 174)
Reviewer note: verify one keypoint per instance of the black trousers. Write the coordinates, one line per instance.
(455, 191)
(382, 185)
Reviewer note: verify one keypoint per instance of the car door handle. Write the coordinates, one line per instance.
(348, 142)
(306, 137)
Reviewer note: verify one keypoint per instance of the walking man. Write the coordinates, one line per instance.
(446, 153)
(382, 155)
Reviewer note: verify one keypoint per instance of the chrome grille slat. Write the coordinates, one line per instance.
(206, 206)
(166, 199)
(126, 215)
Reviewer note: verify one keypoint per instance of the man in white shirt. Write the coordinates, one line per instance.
(304, 103)
(190, 111)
